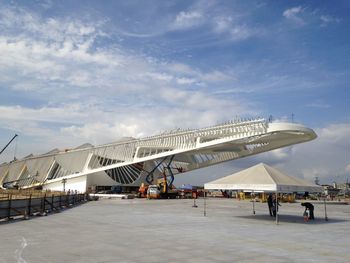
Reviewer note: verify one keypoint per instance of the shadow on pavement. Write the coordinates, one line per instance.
(292, 219)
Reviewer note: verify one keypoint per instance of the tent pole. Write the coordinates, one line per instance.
(253, 202)
(205, 203)
(276, 206)
(325, 209)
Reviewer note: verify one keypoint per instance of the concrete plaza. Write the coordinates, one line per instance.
(140, 230)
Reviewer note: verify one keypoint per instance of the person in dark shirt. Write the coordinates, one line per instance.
(310, 208)
(269, 203)
(275, 205)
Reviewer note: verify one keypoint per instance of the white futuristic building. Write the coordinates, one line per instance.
(129, 162)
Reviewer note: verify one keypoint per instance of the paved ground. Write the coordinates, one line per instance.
(172, 231)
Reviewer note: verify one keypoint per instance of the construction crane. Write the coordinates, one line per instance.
(8, 143)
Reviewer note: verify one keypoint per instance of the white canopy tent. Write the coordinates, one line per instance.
(263, 178)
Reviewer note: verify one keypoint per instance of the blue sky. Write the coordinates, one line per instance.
(93, 71)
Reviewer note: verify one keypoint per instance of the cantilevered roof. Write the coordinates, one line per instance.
(262, 177)
(183, 150)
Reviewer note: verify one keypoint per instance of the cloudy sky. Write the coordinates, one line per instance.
(93, 71)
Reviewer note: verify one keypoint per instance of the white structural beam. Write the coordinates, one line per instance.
(125, 161)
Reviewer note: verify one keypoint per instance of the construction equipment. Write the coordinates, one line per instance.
(167, 189)
(8, 143)
(153, 192)
(163, 189)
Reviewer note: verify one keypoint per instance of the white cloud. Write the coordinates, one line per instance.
(235, 29)
(186, 20)
(293, 14)
(186, 81)
(27, 58)
(280, 154)
(217, 76)
(336, 134)
(223, 23)
(227, 26)
(98, 132)
(241, 32)
(301, 16)
(55, 29)
(325, 157)
(327, 19)
(160, 76)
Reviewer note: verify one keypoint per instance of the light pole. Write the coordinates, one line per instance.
(64, 180)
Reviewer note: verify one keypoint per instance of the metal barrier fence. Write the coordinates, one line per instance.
(30, 206)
